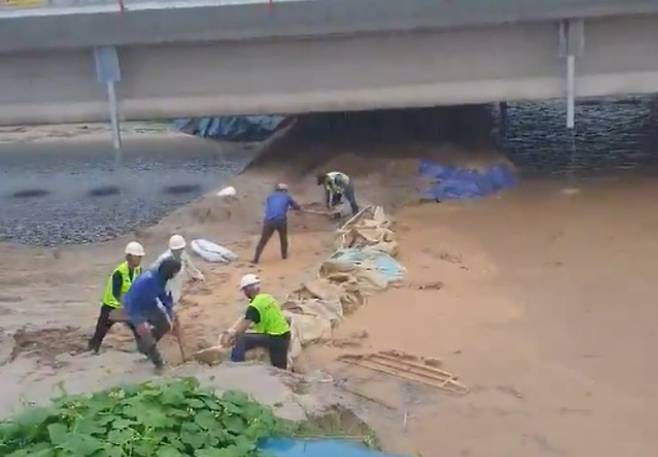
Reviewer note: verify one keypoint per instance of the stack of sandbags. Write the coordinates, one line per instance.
(370, 227)
(362, 265)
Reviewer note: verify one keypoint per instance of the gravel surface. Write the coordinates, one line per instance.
(66, 191)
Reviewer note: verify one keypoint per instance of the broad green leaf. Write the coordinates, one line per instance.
(230, 451)
(34, 416)
(190, 427)
(194, 440)
(168, 451)
(196, 403)
(114, 451)
(8, 430)
(235, 397)
(205, 420)
(57, 433)
(88, 426)
(81, 445)
(172, 397)
(45, 452)
(119, 423)
(178, 412)
(212, 404)
(234, 424)
(144, 449)
(120, 437)
(244, 445)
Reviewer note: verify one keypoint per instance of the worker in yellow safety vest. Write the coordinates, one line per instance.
(337, 185)
(116, 286)
(271, 329)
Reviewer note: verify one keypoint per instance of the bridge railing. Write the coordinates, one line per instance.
(25, 4)
(120, 4)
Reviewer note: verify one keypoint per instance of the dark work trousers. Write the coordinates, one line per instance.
(276, 345)
(148, 345)
(348, 193)
(103, 325)
(269, 227)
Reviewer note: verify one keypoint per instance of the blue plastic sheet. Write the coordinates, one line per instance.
(282, 447)
(385, 265)
(452, 183)
(232, 128)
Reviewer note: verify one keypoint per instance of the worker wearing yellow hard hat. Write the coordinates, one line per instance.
(116, 286)
(264, 315)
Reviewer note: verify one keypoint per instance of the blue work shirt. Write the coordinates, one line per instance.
(146, 296)
(277, 205)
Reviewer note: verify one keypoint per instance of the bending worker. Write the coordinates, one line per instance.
(276, 219)
(271, 329)
(150, 308)
(336, 186)
(188, 272)
(117, 285)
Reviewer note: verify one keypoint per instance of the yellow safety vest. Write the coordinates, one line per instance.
(272, 320)
(108, 297)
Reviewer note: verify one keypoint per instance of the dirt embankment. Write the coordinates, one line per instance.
(540, 299)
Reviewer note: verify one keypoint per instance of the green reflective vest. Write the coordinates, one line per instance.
(333, 186)
(108, 297)
(272, 320)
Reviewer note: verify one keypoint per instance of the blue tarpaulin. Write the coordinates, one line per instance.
(453, 183)
(232, 128)
(282, 447)
(385, 265)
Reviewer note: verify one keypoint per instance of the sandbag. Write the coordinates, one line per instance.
(212, 252)
(227, 192)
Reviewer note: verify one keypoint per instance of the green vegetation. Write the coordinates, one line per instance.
(166, 419)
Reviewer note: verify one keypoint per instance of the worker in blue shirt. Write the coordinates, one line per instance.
(276, 219)
(149, 308)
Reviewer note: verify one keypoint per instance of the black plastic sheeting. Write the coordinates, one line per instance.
(233, 128)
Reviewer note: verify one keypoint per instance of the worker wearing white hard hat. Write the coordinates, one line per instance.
(188, 273)
(270, 327)
(116, 286)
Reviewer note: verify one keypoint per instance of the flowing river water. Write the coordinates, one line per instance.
(57, 191)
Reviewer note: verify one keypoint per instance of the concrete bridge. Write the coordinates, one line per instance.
(163, 59)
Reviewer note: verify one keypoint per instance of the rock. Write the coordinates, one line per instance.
(213, 355)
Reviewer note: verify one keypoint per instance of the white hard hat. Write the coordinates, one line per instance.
(249, 280)
(281, 186)
(177, 242)
(134, 248)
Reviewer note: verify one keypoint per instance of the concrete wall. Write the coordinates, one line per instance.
(475, 65)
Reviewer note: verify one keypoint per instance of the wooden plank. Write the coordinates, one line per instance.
(454, 387)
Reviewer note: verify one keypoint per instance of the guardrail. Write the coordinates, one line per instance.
(121, 4)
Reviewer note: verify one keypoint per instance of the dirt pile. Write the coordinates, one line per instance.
(47, 343)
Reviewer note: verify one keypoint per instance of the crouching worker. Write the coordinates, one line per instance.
(271, 329)
(336, 186)
(150, 308)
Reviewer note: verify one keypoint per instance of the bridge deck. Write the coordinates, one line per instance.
(77, 23)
